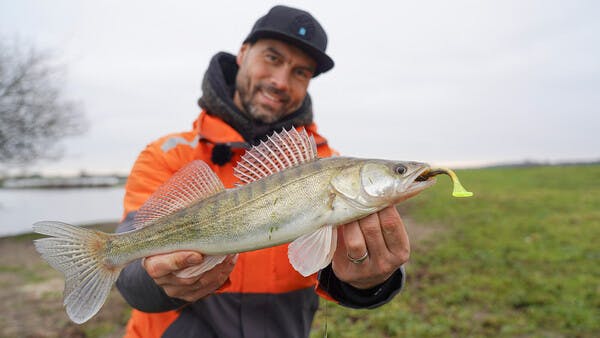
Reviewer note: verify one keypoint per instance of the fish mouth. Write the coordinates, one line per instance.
(428, 173)
(421, 180)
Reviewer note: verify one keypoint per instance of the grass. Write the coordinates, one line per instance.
(520, 258)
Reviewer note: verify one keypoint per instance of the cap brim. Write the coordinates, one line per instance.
(324, 62)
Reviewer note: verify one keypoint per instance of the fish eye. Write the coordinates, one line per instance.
(400, 169)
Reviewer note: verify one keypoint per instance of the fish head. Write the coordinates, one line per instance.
(393, 181)
(375, 183)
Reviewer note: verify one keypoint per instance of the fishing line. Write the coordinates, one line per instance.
(326, 301)
(326, 305)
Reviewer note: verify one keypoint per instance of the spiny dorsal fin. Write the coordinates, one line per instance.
(281, 150)
(194, 182)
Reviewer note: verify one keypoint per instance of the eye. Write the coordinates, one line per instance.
(271, 58)
(304, 73)
(400, 169)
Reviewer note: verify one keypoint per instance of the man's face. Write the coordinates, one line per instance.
(272, 79)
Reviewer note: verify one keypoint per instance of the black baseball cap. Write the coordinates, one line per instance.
(298, 28)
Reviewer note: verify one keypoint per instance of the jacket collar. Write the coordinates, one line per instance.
(214, 130)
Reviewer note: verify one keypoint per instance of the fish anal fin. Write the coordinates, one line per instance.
(194, 182)
(207, 263)
(281, 150)
(312, 252)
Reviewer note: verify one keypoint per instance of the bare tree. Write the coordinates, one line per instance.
(34, 116)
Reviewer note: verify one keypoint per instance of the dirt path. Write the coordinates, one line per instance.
(31, 298)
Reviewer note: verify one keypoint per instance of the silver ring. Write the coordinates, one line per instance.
(358, 260)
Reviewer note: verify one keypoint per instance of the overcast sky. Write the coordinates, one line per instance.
(449, 82)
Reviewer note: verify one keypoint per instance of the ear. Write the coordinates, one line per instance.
(242, 53)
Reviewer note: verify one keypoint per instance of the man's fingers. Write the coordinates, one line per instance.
(371, 229)
(385, 237)
(194, 288)
(354, 240)
(162, 265)
(394, 233)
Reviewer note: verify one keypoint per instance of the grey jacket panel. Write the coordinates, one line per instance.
(248, 315)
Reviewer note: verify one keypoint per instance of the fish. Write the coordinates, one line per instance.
(286, 194)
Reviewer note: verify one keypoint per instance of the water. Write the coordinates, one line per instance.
(20, 208)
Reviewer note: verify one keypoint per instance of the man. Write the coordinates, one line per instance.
(254, 294)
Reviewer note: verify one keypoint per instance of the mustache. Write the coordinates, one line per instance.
(282, 95)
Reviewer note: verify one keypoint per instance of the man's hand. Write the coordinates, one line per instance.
(371, 249)
(162, 269)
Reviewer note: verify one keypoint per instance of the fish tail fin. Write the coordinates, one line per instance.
(80, 254)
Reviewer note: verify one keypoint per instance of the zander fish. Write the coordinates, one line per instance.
(287, 194)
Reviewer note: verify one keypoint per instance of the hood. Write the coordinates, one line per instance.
(218, 87)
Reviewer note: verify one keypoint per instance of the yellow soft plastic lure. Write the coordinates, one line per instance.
(459, 190)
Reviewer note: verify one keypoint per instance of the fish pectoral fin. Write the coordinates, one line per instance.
(312, 252)
(208, 263)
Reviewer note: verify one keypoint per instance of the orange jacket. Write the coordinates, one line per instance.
(158, 162)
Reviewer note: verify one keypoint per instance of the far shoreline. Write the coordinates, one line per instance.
(107, 226)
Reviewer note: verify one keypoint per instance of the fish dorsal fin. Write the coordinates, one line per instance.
(282, 150)
(194, 182)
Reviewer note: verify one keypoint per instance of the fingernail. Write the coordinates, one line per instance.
(194, 259)
(235, 258)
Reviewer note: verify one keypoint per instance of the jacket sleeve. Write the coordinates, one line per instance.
(349, 296)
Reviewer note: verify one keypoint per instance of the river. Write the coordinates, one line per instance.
(20, 208)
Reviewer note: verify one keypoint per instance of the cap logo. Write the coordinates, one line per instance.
(303, 26)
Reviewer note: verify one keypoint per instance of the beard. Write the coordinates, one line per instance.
(262, 112)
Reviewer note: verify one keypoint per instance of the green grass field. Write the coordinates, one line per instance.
(519, 259)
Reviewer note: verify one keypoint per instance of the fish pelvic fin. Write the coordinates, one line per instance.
(312, 252)
(80, 254)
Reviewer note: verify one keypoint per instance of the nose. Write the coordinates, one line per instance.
(280, 78)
